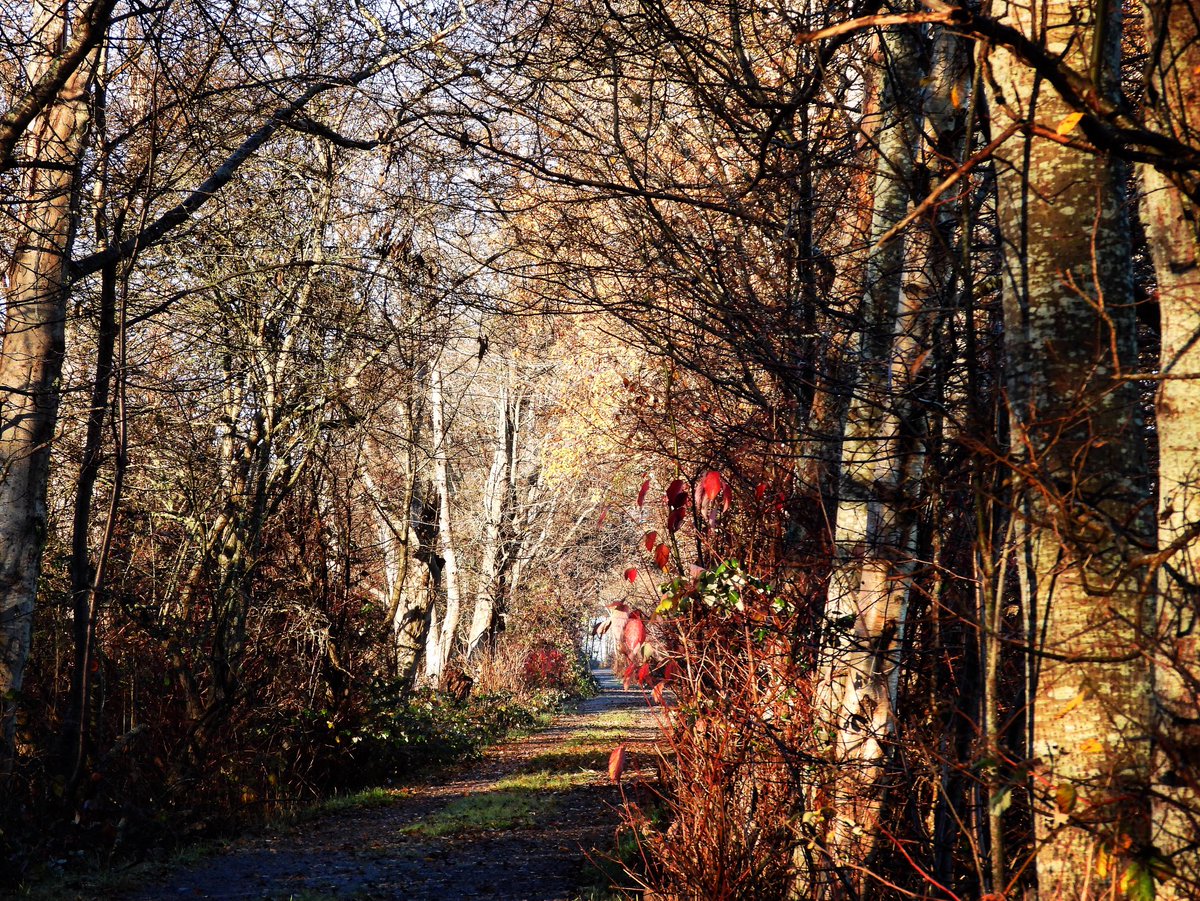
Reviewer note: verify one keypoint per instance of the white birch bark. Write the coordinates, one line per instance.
(497, 503)
(441, 483)
(863, 608)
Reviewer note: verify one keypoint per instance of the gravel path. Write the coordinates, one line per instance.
(517, 825)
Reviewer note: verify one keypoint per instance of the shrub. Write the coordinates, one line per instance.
(546, 667)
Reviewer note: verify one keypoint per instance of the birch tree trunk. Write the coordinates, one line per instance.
(863, 607)
(32, 353)
(1082, 489)
(497, 504)
(1173, 233)
(441, 484)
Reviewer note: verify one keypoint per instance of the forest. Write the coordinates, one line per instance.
(362, 355)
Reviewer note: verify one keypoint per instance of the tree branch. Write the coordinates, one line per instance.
(87, 31)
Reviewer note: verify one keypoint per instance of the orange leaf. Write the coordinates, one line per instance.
(616, 763)
(1067, 125)
(661, 555)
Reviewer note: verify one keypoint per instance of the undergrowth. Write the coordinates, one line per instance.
(360, 762)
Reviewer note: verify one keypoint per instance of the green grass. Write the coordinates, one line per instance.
(592, 759)
(487, 812)
(515, 802)
(545, 780)
(363, 800)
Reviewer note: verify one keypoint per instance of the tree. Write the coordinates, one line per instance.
(1171, 223)
(1079, 455)
(344, 48)
(35, 313)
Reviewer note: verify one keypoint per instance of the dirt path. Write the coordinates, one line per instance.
(517, 825)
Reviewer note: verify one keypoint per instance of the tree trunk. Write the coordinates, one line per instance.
(1173, 232)
(441, 484)
(497, 503)
(32, 354)
(863, 610)
(1077, 448)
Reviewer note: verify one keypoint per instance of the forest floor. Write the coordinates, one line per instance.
(534, 819)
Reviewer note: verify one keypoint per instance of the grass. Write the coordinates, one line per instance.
(592, 759)
(363, 800)
(98, 882)
(514, 802)
(488, 812)
(545, 780)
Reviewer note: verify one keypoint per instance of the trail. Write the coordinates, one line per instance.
(517, 825)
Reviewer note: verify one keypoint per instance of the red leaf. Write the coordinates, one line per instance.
(631, 575)
(671, 670)
(658, 694)
(628, 676)
(642, 493)
(603, 516)
(661, 555)
(677, 494)
(674, 520)
(635, 632)
(616, 763)
(760, 490)
(648, 541)
(643, 673)
(712, 485)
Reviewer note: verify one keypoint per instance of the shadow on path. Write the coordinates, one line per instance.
(517, 825)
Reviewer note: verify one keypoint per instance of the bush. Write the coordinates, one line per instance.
(546, 667)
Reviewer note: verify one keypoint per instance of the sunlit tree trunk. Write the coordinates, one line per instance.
(32, 353)
(407, 534)
(1077, 448)
(863, 610)
(441, 482)
(497, 504)
(1173, 233)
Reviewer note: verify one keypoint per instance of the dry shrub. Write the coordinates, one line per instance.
(733, 768)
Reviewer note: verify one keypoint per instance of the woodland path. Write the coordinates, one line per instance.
(518, 825)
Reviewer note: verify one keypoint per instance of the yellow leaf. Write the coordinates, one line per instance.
(1103, 862)
(1126, 878)
(1092, 746)
(1071, 705)
(1067, 125)
(1065, 796)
